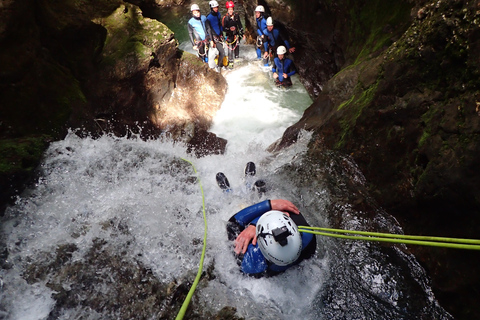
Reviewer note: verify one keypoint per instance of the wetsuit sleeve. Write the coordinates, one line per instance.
(239, 25)
(190, 33)
(208, 27)
(284, 40)
(253, 213)
(274, 66)
(266, 40)
(259, 32)
(290, 67)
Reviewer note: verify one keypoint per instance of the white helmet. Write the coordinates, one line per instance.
(278, 238)
(213, 4)
(269, 21)
(260, 9)
(281, 50)
(194, 7)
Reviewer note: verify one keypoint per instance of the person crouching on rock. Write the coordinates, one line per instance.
(200, 32)
(283, 68)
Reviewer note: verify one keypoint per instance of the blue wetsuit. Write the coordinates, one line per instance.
(215, 20)
(253, 262)
(261, 25)
(283, 66)
(274, 39)
(199, 31)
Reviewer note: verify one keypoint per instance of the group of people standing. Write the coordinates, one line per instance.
(211, 34)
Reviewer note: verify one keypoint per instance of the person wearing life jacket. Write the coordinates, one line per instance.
(266, 237)
(233, 28)
(200, 32)
(274, 39)
(283, 68)
(215, 20)
(261, 25)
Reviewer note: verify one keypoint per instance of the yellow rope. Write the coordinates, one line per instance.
(185, 304)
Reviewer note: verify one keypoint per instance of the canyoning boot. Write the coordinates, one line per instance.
(230, 65)
(222, 182)
(250, 169)
(260, 186)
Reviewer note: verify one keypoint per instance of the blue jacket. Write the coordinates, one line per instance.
(283, 66)
(215, 20)
(253, 262)
(274, 39)
(261, 25)
(199, 29)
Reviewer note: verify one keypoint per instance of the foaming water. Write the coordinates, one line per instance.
(138, 201)
(254, 108)
(141, 198)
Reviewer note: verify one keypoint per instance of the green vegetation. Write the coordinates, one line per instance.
(22, 154)
(356, 105)
(373, 24)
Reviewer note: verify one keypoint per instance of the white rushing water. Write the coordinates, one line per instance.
(141, 201)
(135, 195)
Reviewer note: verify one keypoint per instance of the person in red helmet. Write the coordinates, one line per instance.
(233, 28)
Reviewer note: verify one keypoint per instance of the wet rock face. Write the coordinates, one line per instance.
(107, 283)
(408, 116)
(99, 66)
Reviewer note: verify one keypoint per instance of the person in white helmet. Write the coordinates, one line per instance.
(261, 25)
(200, 32)
(283, 68)
(215, 19)
(273, 39)
(266, 237)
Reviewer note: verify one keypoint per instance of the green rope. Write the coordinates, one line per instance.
(185, 304)
(457, 243)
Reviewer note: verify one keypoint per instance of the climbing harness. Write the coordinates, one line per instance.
(457, 243)
(185, 304)
(229, 43)
(205, 44)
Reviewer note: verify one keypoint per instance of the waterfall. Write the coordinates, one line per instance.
(110, 217)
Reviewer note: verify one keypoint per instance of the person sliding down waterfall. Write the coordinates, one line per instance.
(200, 33)
(273, 39)
(261, 25)
(265, 235)
(267, 240)
(233, 28)
(283, 69)
(215, 20)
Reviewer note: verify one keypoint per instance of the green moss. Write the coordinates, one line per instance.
(130, 35)
(354, 111)
(373, 24)
(346, 103)
(23, 154)
(191, 59)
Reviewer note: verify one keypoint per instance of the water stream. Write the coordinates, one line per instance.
(138, 200)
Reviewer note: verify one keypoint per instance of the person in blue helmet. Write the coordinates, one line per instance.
(261, 25)
(283, 68)
(266, 237)
(273, 39)
(200, 32)
(215, 19)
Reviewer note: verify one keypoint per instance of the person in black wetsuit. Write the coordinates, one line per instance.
(233, 28)
(266, 237)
